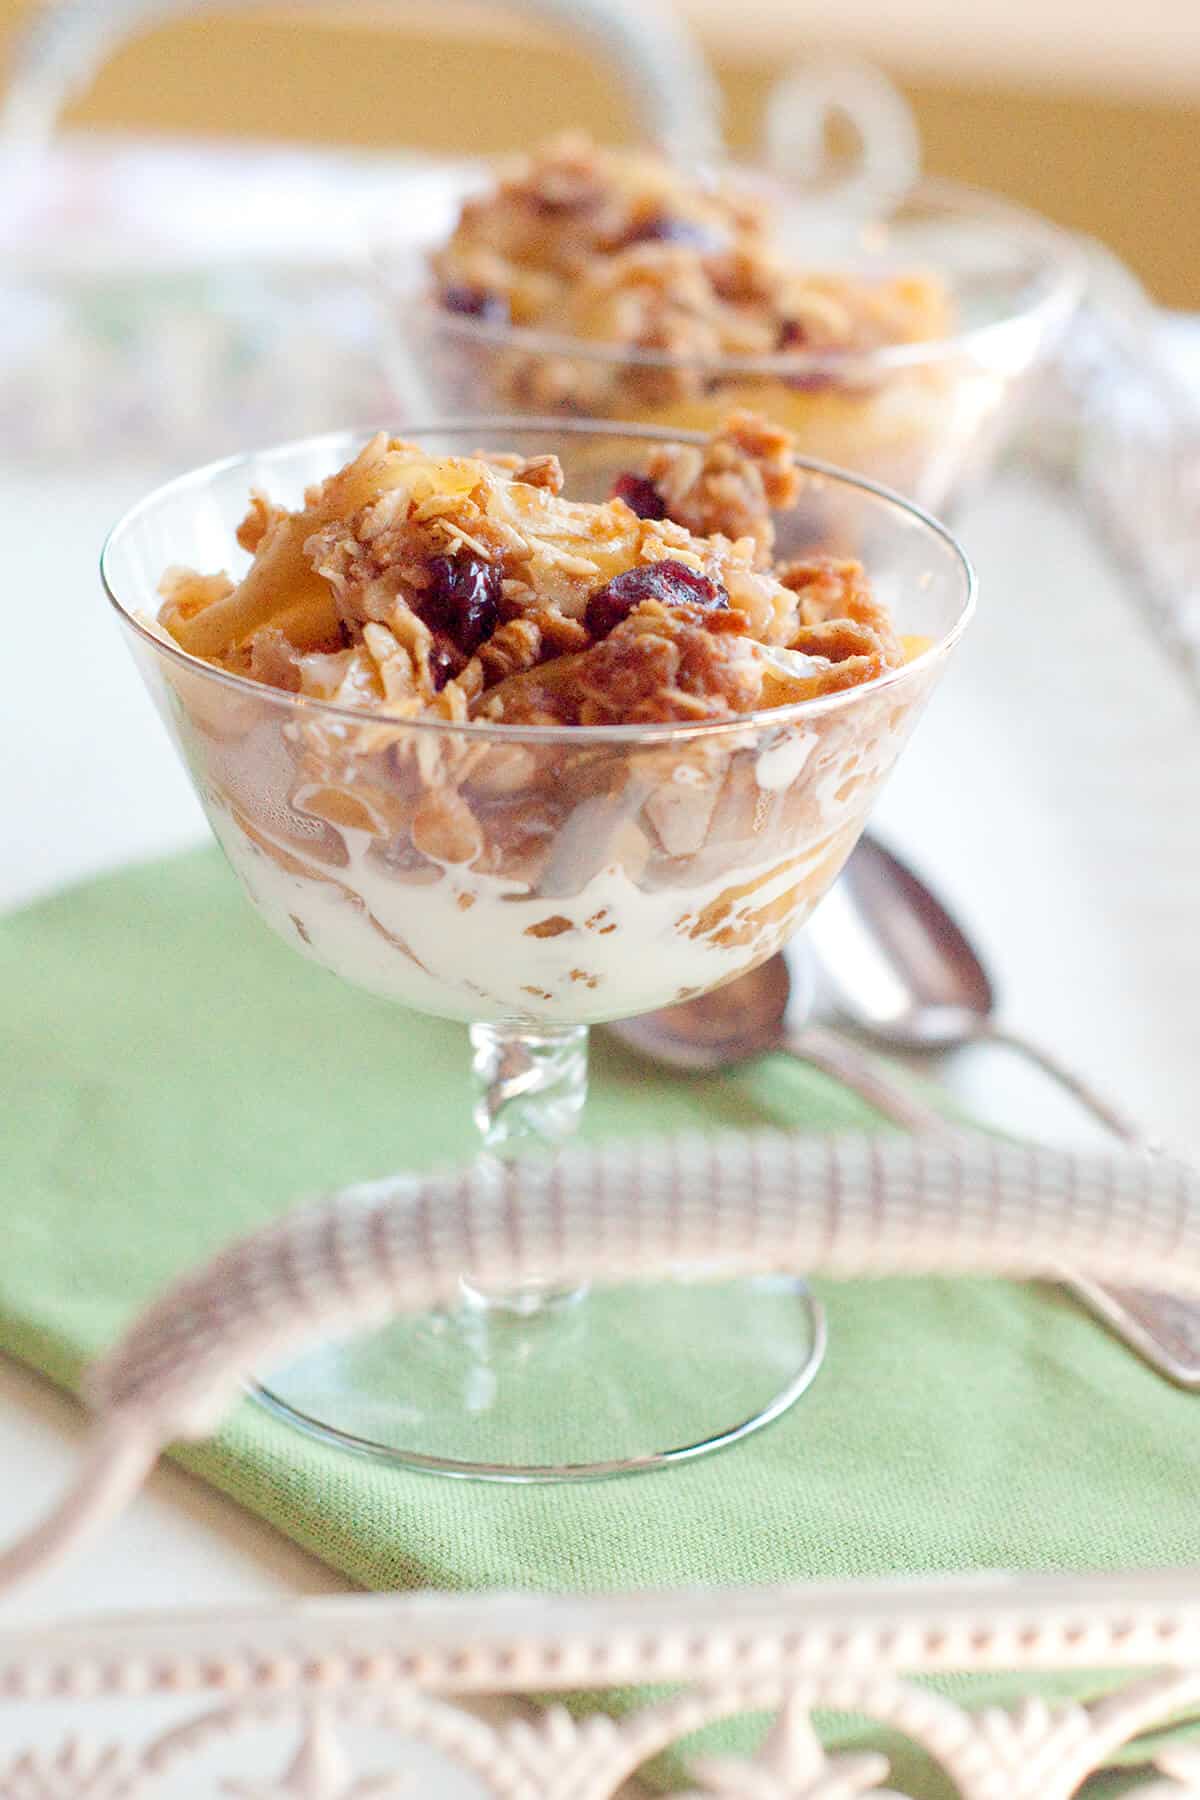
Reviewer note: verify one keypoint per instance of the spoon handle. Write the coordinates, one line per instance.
(1163, 1329)
(1069, 1079)
(836, 1057)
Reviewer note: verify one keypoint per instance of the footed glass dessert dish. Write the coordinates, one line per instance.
(611, 284)
(536, 739)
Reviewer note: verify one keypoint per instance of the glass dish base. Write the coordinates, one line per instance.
(607, 1382)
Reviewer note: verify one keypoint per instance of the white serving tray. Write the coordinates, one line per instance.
(1051, 793)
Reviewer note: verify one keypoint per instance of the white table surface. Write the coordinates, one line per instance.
(1051, 791)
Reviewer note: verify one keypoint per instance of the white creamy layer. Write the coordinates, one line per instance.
(461, 947)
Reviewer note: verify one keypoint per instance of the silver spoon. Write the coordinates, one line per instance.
(893, 964)
(763, 1011)
(897, 967)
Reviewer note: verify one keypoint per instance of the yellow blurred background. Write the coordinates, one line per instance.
(1093, 119)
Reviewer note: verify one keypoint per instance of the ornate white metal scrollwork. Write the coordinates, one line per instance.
(1034, 1752)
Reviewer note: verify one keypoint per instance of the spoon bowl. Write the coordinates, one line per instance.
(719, 1029)
(893, 962)
(766, 1010)
(890, 962)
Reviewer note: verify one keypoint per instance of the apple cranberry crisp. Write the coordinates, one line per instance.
(607, 284)
(472, 588)
(564, 875)
(618, 246)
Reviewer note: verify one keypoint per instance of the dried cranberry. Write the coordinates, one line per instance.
(446, 660)
(671, 583)
(792, 334)
(640, 495)
(817, 381)
(476, 303)
(463, 599)
(661, 228)
(441, 668)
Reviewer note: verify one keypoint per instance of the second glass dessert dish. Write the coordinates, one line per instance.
(608, 283)
(535, 724)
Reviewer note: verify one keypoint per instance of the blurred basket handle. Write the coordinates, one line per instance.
(755, 1202)
(655, 59)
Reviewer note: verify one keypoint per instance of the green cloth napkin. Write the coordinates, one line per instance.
(174, 1075)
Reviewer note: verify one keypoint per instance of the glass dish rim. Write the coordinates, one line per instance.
(592, 735)
(1065, 258)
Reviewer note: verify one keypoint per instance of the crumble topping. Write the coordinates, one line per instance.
(619, 247)
(472, 587)
(582, 875)
(731, 484)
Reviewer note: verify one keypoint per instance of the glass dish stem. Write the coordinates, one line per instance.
(530, 1089)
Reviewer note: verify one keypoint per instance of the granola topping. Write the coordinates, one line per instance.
(471, 587)
(479, 875)
(618, 246)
